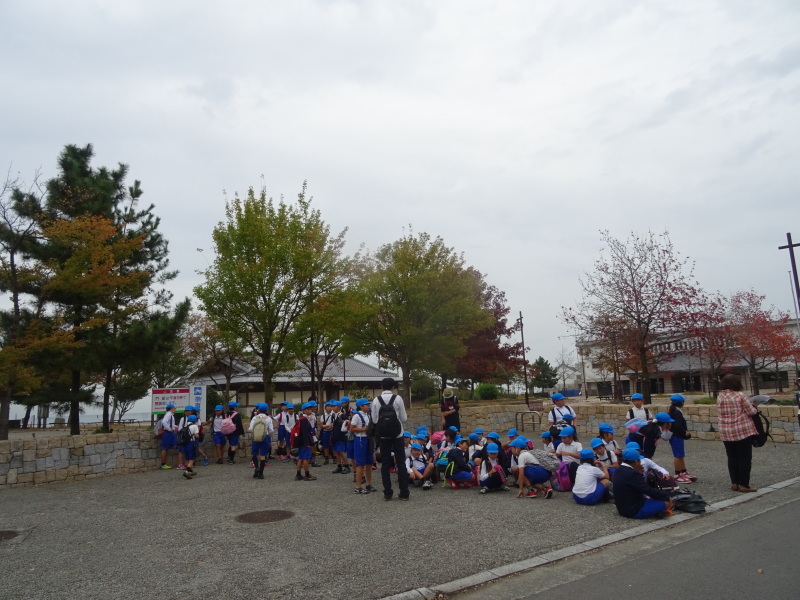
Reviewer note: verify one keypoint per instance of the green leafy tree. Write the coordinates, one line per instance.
(416, 303)
(544, 375)
(273, 260)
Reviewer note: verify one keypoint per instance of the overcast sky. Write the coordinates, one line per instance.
(514, 130)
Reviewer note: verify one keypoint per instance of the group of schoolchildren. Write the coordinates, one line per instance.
(603, 472)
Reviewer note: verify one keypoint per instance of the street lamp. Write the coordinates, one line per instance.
(524, 359)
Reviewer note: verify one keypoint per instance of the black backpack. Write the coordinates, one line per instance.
(762, 427)
(388, 425)
(184, 436)
(688, 501)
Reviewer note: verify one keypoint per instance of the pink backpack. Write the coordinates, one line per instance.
(437, 438)
(560, 478)
(227, 425)
(635, 424)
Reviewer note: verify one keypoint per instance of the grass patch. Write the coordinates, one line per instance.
(705, 400)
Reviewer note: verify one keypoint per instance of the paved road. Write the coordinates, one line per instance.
(748, 551)
(156, 535)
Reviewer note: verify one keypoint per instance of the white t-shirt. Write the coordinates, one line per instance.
(360, 419)
(287, 419)
(649, 465)
(416, 463)
(574, 447)
(586, 478)
(638, 413)
(559, 414)
(487, 467)
(526, 458)
(612, 447)
(548, 447)
(608, 458)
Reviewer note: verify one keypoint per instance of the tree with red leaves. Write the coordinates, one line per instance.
(710, 337)
(646, 289)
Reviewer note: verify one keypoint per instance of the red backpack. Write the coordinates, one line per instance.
(294, 434)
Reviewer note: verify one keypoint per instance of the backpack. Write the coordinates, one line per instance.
(228, 426)
(688, 501)
(762, 427)
(184, 436)
(294, 434)
(158, 430)
(546, 460)
(560, 478)
(388, 425)
(260, 430)
(437, 438)
(442, 460)
(635, 424)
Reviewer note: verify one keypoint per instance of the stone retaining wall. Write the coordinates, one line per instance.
(74, 458)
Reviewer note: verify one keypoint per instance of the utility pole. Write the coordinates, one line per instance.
(790, 246)
(524, 361)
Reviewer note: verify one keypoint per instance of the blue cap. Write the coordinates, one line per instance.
(290, 406)
(344, 399)
(567, 417)
(187, 408)
(284, 403)
(557, 397)
(423, 435)
(518, 443)
(219, 407)
(596, 442)
(631, 454)
(606, 428)
(637, 396)
(493, 436)
(633, 446)
(329, 403)
(233, 404)
(546, 434)
(191, 418)
(306, 405)
(586, 453)
(335, 403)
(567, 431)
(413, 437)
(406, 434)
(170, 406)
(512, 432)
(677, 399)
(460, 439)
(479, 431)
(263, 406)
(359, 402)
(492, 448)
(453, 428)
(313, 403)
(422, 428)
(663, 417)
(474, 436)
(416, 446)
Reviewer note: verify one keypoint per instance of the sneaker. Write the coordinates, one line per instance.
(549, 493)
(181, 468)
(391, 469)
(369, 488)
(309, 478)
(337, 470)
(359, 490)
(165, 467)
(219, 461)
(404, 498)
(266, 463)
(298, 477)
(690, 476)
(483, 490)
(205, 462)
(230, 462)
(326, 462)
(345, 470)
(531, 494)
(683, 478)
(427, 485)
(187, 474)
(374, 467)
(252, 465)
(505, 488)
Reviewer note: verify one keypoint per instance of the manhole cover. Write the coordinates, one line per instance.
(8, 535)
(265, 516)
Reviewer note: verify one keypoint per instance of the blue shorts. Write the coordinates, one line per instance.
(189, 451)
(536, 474)
(261, 448)
(339, 446)
(461, 476)
(677, 445)
(305, 453)
(594, 498)
(651, 507)
(219, 438)
(283, 435)
(233, 439)
(349, 450)
(361, 451)
(326, 438)
(169, 439)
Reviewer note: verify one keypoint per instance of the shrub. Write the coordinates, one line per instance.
(487, 391)
(705, 400)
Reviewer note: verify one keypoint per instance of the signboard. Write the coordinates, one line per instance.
(180, 397)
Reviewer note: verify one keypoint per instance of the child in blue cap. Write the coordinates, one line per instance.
(459, 470)
(361, 454)
(632, 496)
(547, 442)
(606, 434)
(304, 442)
(591, 479)
(189, 449)
(420, 469)
(492, 473)
(680, 433)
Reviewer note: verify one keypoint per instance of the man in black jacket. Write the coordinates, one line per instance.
(633, 497)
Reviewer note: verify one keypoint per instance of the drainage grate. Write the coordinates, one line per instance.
(265, 516)
(8, 535)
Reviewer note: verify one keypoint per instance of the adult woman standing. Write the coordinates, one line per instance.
(736, 428)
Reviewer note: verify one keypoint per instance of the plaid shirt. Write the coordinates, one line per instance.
(734, 411)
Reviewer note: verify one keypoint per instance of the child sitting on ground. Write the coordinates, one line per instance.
(607, 435)
(603, 455)
(632, 496)
(547, 442)
(569, 451)
(637, 411)
(419, 468)
(680, 433)
(591, 479)
(492, 474)
(535, 469)
(459, 469)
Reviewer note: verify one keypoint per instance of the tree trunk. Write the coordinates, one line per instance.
(5, 410)
(75, 405)
(406, 392)
(644, 369)
(26, 419)
(754, 382)
(107, 400)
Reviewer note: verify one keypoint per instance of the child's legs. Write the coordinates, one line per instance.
(678, 452)
(492, 482)
(594, 498)
(651, 507)
(429, 469)
(461, 476)
(359, 475)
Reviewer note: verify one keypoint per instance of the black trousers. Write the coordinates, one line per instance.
(740, 460)
(387, 447)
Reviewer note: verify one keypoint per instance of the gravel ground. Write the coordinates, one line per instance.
(157, 535)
